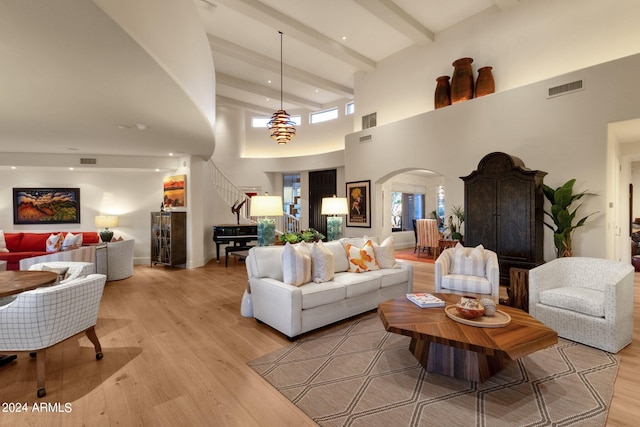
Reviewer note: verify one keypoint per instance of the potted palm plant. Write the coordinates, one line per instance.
(563, 217)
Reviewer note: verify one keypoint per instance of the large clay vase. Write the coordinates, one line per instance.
(485, 83)
(462, 80)
(442, 97)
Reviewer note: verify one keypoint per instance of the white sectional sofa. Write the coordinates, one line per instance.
(294, 310)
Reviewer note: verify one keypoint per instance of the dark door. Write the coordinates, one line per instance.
(321, 184)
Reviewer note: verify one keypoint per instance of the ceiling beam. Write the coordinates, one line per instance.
(395, 16)
(289, 26)
(227, 80)
(233, 50)
(235, 103)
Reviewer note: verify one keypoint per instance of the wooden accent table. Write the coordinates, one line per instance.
(13, 282)
(447, 347)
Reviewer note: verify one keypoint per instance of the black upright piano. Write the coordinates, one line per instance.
(236, 237)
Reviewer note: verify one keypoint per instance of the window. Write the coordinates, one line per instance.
(323, 116)
(350, 108)
(404, 208)
(261, 121)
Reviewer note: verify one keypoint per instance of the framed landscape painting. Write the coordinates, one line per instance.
(175, 191)
(46, 206)
(358, 196)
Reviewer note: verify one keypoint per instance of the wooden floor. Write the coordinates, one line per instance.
(176, 352)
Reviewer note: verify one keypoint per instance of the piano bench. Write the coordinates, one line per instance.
(229, 249)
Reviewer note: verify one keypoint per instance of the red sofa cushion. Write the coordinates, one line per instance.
(34, 242)
(13, 241)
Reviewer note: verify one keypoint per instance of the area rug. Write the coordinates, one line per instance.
(360, 375)
(407, 254)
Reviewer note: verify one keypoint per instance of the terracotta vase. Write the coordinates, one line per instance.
(442, 97)
(462, 80)
(485, 83)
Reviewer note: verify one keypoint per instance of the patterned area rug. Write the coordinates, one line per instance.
(360, 375)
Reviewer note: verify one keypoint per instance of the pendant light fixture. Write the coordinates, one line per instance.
(281, 127)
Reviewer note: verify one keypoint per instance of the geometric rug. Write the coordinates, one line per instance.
(360, 375)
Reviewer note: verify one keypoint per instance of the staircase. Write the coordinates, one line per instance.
(233, 196)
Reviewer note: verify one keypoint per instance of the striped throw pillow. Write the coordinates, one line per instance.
(468, 261)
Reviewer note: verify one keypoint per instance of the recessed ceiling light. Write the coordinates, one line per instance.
(269, 81)
(344, 37)
(142, 126)
(13, 167)
(70, 169)
(317, 90)
(170, 154)
(72, 148)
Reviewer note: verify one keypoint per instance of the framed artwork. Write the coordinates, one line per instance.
(359, 198)
(175, 191)
(46, 206)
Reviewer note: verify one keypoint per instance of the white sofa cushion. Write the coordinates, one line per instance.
(357, 284)
(322, 263)
(341, 263)
(385, 253)
(581, 300)
(267, 262)
(468, 261)
(318, 294)
(464, 283)
(296, 264)
(390, 276)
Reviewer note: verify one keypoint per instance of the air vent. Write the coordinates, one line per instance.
(88, 161)
(366, 138)
(369, 121)
(565, 88)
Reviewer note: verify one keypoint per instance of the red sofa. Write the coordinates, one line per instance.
(27, 245)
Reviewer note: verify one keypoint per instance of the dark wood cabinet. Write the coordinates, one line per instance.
(504, 212)
(169, 238)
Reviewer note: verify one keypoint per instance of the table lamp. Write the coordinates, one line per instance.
(264, 207)
(106, 221)
(334, 206)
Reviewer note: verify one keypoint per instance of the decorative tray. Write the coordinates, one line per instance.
(498, 320)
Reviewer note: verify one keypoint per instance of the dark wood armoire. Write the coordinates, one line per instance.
(503, 206)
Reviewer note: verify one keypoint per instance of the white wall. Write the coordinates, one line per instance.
(130, 195)
(565, 136)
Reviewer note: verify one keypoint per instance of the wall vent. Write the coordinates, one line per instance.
(369, 121)
(366, 138)
(565, 88)
(88, 161)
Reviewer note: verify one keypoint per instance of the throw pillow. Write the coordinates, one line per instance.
(54, 243)
(72, 241)
(61, 271)
(296, 264)
(385, 253)
(3, 243)
(469, 261)
(362, 259)
(322, 263)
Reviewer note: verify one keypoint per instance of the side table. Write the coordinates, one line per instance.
(446, 243)
(519, 288)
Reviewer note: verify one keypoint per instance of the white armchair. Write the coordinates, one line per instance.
(588, 300)
(41, 318)
(70, 270)
(461, 270)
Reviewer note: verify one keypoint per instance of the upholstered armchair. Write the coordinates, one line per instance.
(588, 300)
(68, 270)
(462, 270)
(43, 317)
(117, 261)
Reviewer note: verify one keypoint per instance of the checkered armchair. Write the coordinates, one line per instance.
(588, 300)
(43, 317)
(72, 270)
(464, 270)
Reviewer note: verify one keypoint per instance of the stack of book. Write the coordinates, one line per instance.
(424, 300)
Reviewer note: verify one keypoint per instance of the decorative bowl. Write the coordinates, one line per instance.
(469, 308)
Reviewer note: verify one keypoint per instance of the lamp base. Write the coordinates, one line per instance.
(106, 236)
(334, 228)
(266, 232)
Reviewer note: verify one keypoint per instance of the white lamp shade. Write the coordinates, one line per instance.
(334, 206)
(106, 221)
(266, 206)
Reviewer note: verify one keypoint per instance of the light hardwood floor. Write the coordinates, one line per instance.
(176, 352)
